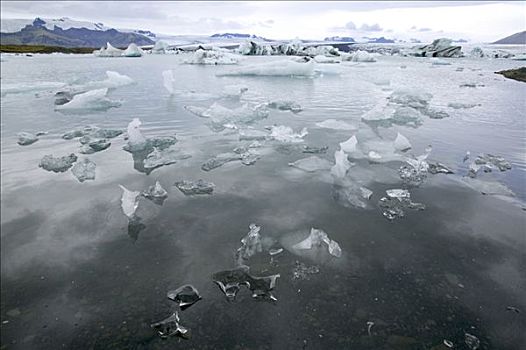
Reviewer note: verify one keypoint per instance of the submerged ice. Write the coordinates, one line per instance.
(316, 239)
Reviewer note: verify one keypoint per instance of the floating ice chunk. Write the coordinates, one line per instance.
(277, 68)
(198, 187)
(349, 146)
(250, 245)
(136, 142)
(156, 193)
(315, 239)
(114, 80)
(129, 202)
(374, 156)
(336, 124)
(57, 164)
(471, 85)
(339, 170)
(285, 134)
(497, 161)
(249, 158)
(212, 57)
(84, 170)
(434, 113)
(398, 194)
(185, 296)
(401, 143)
(406, 116)
(230, 282)
(471, 341)
(325, 59)
(488, 187)
(435, 168)
(302, 271)
(160, 47)
(220, 160)
(316, 150)
(26, 138)
(362, 56)
(415, 172)
(460, 105)
(221, 116)
(466, 157)
(132, 51)
(311, 164)
(169, 327)
(93, 99)
(476, 52)
(285, 105)
(396, 201)
(75, 133)
(94, 145)
(160, 157)
(349, 194)
(105, 133)
(275, 251)
(438, 48)
(414, 99)
(108, 51)
(234, 90)
(252, 134)
(169, 81)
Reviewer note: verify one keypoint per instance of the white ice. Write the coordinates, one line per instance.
(401, 143)
(362, 56)
(349, 146)
(212, 57)
(275, 68)
(315, 239)
(129, 202)
(336, 124)
(92, 99)
(285, 134)
(136, 142)
(339, 170)
(132, 51)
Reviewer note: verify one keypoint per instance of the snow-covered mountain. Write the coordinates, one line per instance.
(9, 25)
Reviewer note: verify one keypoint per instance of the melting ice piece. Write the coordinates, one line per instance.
(276, 68)
(471, 341)
(169, 81)
(136, 142)
(302, 271)
(212, 57)
(434, 113)
(315, 150)
(415, 172)
(349, 146)
(466, 157)
(84, 170)
(170, 326)
(396, 201)
(275, 251)
(221, 116)
(435, 168)
(231, 281)
(285, 105)
(57, 164)
(370, 325)
(250, 245)
(497, 161)
(401, 143)
(160, 157)
(362, 56)
(93, 99)
(75, 133)
(185, 296)
(220, 160)
(336, 124)
(129, 202)
(349, 194)
(414, 99)
(94, 145)
(398, 194)
(26, 138)
(339, 170)
(460, 105)
(198, 187)
(156, 193)
(311, 164)
(315, 239)
(16, 88)
(285, 134)
(105, 133)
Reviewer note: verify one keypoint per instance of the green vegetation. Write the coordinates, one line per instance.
(43, 49)
(515, 74)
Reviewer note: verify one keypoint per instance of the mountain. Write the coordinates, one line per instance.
(515, 39)
(238, 36)
(340, 38)
(66, 33)
(380, 40)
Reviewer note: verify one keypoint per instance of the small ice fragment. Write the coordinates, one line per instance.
(514, 309)
(342, 165)
(105, 133)
(311, 164)
(374, 156)
(185, 296)
(250, 245)
(471, 341)
(74, 133)
(249, 158)
(401, 143)
(349, 194)
(26, 138)
(460, 105)
(198, 187)
(315, 150)
(285, 105)
(398, 194)
(41, 133)
(57, 164)
(94, 145)
(136, 142)
(414, 99)
(129, 202)
(336, 124)
(396, 201)
(275, 251)
(230, 282)
(84, 170)
(220, 160)
(349, 146)
(156, 193)
(466, 157)
(169, 81)
(435, 168)
(160, 157)
(170, 326)
(448, 343)
(315, 239)
(370, 325)
(285, 134)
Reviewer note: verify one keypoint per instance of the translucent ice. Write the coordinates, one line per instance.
(342, 165)
(336, 124)
(315, 239)
(220, 116)
(163, 156)
(109, 51)
(170, 326)
(312, 164)
(132, 51)
(57, 164)
(93, 99)
(396, 201)
(349, 146)
(325, 59)
(276, 68)
(415, 172)
(185, 296)
(94, 145)
(84, 170)
(136, 142)
(169, 81)
(234, 90)
(231, 281)
(250, 245)
(160, 47)
(285, 105)
(156, 193)
(285, 134)
(26, 138)
(409, 98)
(350, 194)
(16, 88)
(438, 62)
(198, 187)
(129, 202)
(401, 143)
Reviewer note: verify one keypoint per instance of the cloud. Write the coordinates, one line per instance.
(350, 26)
(424, 30)
(371, 28)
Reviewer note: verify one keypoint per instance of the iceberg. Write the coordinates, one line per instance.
(129, 202)
(26, 138)
(315, 239)
(362, 56)
(435, 168)
(325, 59)
(350, 194)
(93, 99)
(285, 105)
(285, 134)
(160, 47)
(57, 164)
(84, 170)
(438, 48)
(132, 51)
(198, 187)
(339, 170)
(336, 124)
(212, 57)
(401, 143)
(312, 164)
(185, 296)
(108, 51)
(156, 193)
(250, 245)
(169, 81)
(285, 68)
(169, 327)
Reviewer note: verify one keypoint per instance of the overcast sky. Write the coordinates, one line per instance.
(473, 20)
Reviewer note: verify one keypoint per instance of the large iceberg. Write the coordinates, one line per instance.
(438, 48)
(287, 68)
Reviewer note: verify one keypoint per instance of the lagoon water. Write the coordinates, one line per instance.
(74, 276)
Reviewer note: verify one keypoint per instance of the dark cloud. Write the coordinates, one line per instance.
(371, 28)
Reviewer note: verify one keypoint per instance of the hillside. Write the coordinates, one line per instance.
(515, 39)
